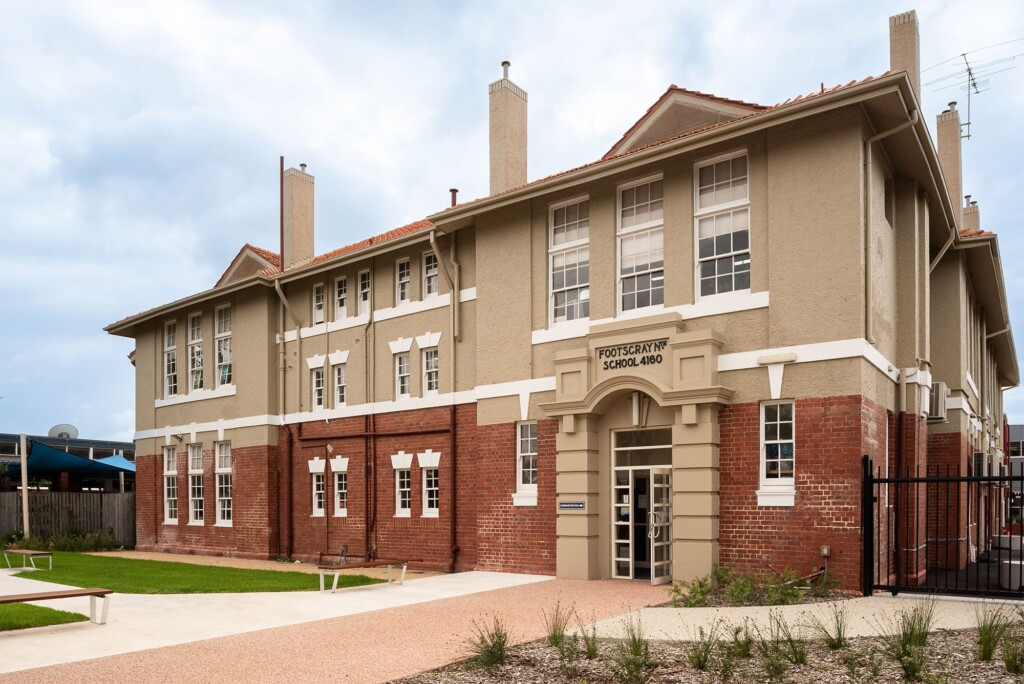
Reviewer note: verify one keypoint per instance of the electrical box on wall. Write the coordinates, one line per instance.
(826, 551)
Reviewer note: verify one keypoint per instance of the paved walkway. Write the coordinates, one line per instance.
(362, 634)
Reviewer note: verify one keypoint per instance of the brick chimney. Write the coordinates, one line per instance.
(905, 48)
(298, 217)
(507, 105)
(948, 129)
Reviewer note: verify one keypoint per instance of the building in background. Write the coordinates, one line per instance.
(669, 358)
(72, 476)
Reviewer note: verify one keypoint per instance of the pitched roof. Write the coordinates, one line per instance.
(393, 234)
(968, 233)
(249, 250)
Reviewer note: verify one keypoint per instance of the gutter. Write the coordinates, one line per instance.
(288, 448)
(869, 332)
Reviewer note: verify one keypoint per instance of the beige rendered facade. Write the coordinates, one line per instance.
(692, 341)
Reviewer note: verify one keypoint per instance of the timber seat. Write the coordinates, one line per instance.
(70, 592)
(344, 564)
(28, 555)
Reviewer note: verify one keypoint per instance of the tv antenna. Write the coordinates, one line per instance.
(974, 78)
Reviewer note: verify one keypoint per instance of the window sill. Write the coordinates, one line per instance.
(196, 523)
(316, 515)
(197, 395)
(431, 513)
(563, 330)
(343, 513)
(223, 524)
(524, 499)
(170, 522)
(406, 513)
(776, 497)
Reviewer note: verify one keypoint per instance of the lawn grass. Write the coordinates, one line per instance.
(25, 615)
(131, 576)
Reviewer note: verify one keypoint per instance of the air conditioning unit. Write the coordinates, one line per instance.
(937, 403)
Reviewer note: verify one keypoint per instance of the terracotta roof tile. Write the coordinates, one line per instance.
(369, 242)
(273, 257)
(968, 233)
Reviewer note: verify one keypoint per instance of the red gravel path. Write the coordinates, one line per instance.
(369, 647)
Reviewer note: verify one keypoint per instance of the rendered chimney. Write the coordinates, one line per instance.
(972, 217)
(905, 48)
(507, 114)
(948, 129)
(298, 217)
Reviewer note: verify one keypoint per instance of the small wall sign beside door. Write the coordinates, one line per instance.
(572, 505)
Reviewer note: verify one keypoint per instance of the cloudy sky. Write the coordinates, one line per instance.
(139, 141)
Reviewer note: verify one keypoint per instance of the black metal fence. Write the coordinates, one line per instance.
(944, 531)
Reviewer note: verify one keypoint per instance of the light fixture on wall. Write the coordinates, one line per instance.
(180, 437)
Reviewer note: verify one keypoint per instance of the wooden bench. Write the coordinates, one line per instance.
(93, 594)
(336, 568)
(27, 555)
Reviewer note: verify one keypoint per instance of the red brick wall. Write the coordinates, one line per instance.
(832, 435)
(948, 453)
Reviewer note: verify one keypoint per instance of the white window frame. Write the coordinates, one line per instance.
(319, 500)
(195, 352)
(431, 373)
(431, 277)
(776, 491)
(526, 494)
(170, 485)
(403, 476)
(340, 494)
(565, 247)
(403, 283)
(713, 210)
(340, 384)
(224, 480)
(428, 510)
(399, 376)
(222, 336)
(621, 232)
(196, 505)
(316, 384)
(170, 359)
(365, 294)
(340, 298)
(317, 300)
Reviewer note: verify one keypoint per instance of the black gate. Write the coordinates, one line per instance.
(944, 531)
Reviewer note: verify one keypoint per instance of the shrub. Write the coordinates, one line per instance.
(699, 653)
(631, 658)
(781, 589)
(589, 638)
(569, 655)
(1013, 655)
(742, 591)
(992, 626)
(489, 645)
(833, 631)
(69, 541)
(742, 641)
(825, 586)
(693, 593)
(722, 575)
(555, 624)
(906, 635)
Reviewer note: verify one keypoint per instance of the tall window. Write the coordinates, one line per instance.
(430, 275)
(170, 485)
(364, 293)
(641, 246)
(339, 385)
(777, 443)
(195, 484)
(431, 492)
(403, 493)
(170, 359)
(224, 483)
(723, 226)
(526, 457)
(402, 384)
(340, 298)
(403, 281)
(319, 494)
(223, 335)
(195, 351)
(318, 303)
(570, 261)
(431, 379)
(340, 494)
(318, 388)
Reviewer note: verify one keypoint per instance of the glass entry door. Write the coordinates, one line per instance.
(642, 505)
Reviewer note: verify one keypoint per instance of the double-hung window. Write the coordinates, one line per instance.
(223, 335)
(570, 261)
(526, 464)
(722, 215)
(341, 494)
(778, 453)
(340, 298)
(318, 388)
(403, 493)
(641, 245)
(319, 494)
(224, 484)
(195, 484)
(170, 359)
(431, 493)
(340, 381)
(170, 485)
(318, 303)
(402, 376)
(364, 293)
(195, 352)
(430, 275)
(431, 373)
(403, 281)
